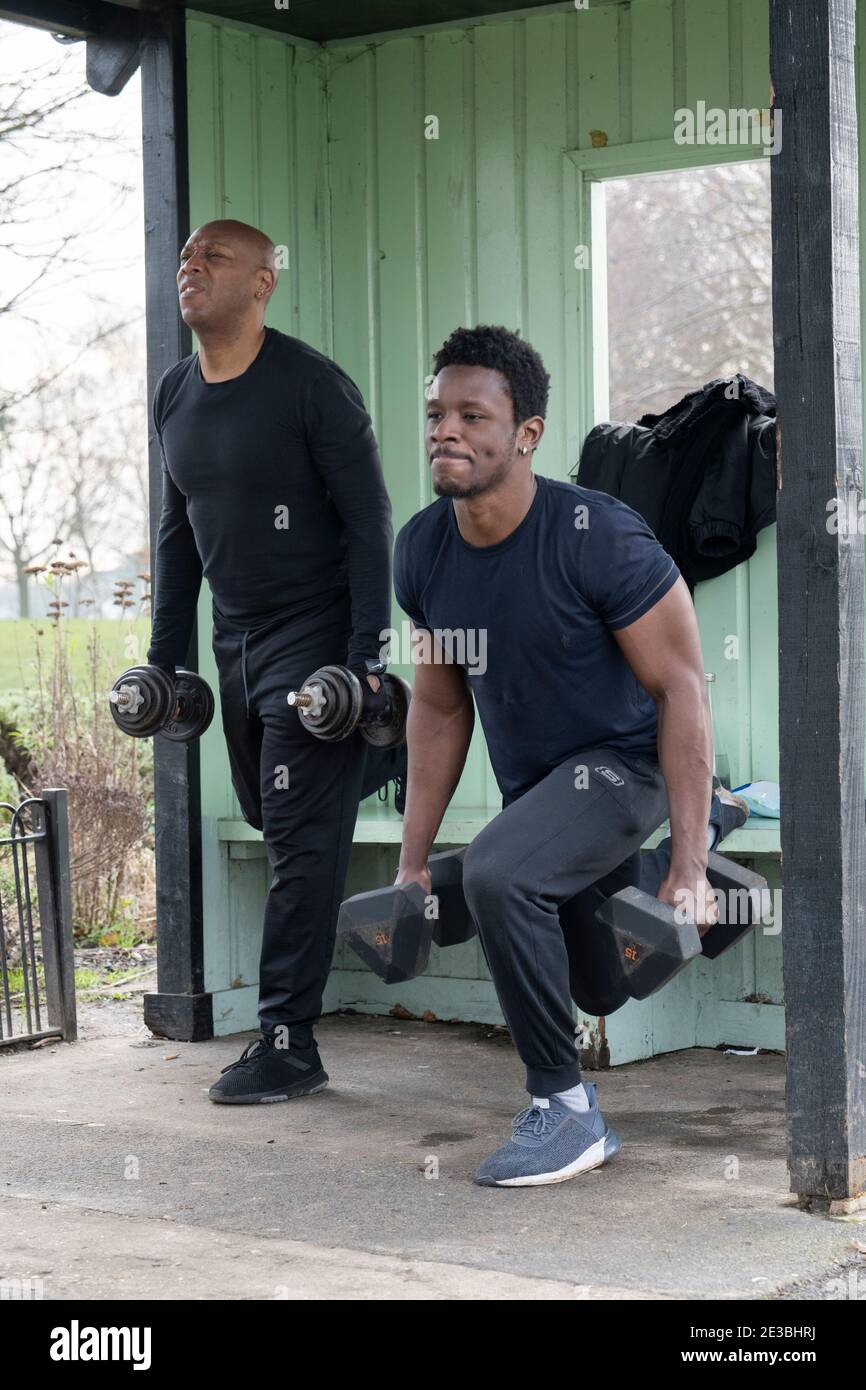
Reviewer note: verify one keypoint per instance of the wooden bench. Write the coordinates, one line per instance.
(759, 837)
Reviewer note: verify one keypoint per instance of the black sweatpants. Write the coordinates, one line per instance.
(302, 793)
(569, 842)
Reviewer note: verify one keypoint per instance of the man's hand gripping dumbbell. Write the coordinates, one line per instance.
(336, 700)
(148, 700)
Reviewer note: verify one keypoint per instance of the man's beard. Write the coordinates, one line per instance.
(464, 491)
(448, 488)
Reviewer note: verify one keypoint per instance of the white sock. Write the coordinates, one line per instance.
(575, 1099)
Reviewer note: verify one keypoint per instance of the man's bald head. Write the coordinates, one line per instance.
(248, 240)
(228, 272)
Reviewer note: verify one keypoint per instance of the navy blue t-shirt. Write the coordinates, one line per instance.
(531, 619)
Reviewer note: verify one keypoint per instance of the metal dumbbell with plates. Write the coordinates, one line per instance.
(146, 701)
(637, 945)
(330, 704)
(392, 929)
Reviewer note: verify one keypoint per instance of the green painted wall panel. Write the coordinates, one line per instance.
(546, 264)
(398, 343)
(241, 139)
(450, 199)
(652, 70)
(204, 119)
(275, 198)
(762, 704)
(310, 228)
(352, 210)
(500, 133)
(599, 94)
(754, 53)
(707, 53)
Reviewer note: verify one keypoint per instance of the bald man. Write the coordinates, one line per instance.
(273, 491)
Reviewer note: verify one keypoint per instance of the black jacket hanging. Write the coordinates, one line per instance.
(702, 474)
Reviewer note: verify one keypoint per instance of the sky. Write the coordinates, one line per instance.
(82, 180)
(98, 199)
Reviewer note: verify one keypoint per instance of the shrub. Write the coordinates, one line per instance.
(72, 741)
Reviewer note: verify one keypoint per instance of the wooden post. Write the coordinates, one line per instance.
(816, 311)
(51, 814)
(181, 1008)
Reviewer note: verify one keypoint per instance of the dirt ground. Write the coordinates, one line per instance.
(121, 1179)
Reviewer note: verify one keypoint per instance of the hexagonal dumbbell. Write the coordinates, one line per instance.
(392, 928)
(453, 923)
(743, 898)
(638, 946)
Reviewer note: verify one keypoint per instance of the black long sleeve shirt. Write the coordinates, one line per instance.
(273, 491)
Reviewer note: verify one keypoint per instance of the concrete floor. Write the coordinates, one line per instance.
(120, 1179)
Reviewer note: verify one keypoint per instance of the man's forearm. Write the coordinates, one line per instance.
(344, 451)
(685, 746)
(438, 744)
(175, 580)
(369, 568)
(175, 594)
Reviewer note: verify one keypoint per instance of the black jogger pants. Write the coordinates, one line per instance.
(302, 793)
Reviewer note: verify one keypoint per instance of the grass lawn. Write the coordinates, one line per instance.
(85, 979)
(123, 642)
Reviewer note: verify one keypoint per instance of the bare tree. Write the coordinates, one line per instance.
(76, 458)
(47, 152)
(32, 518)
(103, 429)
(689, 283)
(71, 407)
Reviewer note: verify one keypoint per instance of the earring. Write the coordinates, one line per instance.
(523, 449)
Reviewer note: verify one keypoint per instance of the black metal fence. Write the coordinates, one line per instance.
(37, 974)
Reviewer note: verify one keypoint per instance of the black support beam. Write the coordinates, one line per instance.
(181, 1008)
(113, 54)
(112, 33)
(816, 311)
(78, 20)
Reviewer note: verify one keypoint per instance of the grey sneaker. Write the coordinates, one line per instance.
(550, 1143)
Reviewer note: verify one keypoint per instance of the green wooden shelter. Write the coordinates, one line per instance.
(310, 119)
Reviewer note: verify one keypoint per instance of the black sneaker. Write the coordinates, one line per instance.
(265, 1073)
